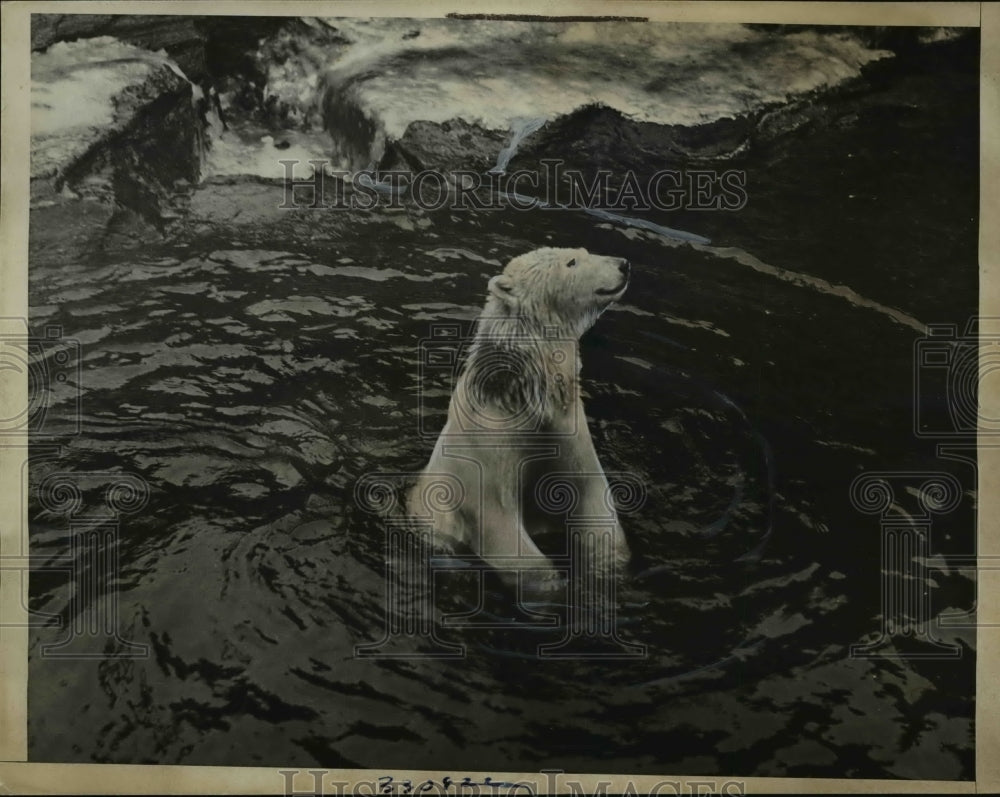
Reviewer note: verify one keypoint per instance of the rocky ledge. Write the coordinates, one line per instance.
(130, 113)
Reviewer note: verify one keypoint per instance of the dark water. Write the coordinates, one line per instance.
(252, 370)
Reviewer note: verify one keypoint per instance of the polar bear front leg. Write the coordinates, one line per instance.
(502, 536)
(594, 497)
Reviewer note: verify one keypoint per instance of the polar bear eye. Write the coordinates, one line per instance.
(571, 263)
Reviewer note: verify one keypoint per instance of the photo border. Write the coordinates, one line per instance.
(18, 776)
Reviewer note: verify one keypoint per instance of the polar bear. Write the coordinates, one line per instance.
(516, 442)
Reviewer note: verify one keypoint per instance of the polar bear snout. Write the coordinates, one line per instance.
(623, 273)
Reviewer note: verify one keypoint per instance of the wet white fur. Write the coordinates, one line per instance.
(517, 395)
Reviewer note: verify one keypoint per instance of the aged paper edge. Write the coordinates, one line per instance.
(31, 778)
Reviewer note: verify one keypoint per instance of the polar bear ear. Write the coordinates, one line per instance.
(501, 286)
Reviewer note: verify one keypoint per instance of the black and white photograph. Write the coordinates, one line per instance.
(483, 394)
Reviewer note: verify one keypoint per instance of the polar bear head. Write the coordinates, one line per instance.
(565, 288)
(524, 359)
